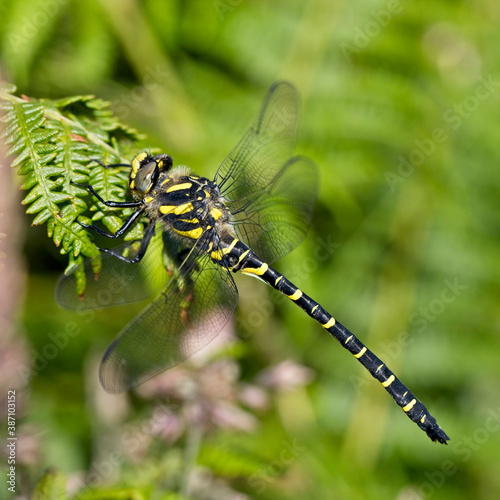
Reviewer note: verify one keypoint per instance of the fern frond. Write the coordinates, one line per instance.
(56, 142)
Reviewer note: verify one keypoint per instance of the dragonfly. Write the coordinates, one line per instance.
(199, 233)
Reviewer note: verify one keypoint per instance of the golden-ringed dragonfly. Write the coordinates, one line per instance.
(256, 210)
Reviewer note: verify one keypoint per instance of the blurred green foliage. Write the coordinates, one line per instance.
(400, 113)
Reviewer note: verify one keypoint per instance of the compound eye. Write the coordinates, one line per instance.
(146, 177)
(164, 162)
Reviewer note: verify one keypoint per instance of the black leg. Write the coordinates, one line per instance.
(120, 231)
(148, 234)
(111, 165)
(121, 204)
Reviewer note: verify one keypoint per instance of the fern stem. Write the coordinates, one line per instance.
(52, 113)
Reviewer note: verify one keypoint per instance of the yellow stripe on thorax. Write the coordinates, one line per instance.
(216, 213)
(176, 209)
(194, 220)
(178, 187)
(193, 233)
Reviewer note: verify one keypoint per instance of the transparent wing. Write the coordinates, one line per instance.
(118, 282)
(274, 221)
(265, 148)
(270, 194)
(186, 316)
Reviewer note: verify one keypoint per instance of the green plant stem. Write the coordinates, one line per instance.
(194, 435)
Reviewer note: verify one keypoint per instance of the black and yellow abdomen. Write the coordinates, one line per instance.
(239, 258)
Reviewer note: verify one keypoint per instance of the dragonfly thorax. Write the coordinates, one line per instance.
(188, 205)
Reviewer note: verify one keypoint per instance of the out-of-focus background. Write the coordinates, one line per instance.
(401, 114)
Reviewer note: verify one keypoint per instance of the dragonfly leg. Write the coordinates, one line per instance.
(119, 232)
(150, 231)
(111, 165)
(121, 204)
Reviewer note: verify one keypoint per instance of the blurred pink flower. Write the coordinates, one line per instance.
(285, 376)
(208, 397)
(254, 397)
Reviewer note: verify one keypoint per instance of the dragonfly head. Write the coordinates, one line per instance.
(146, 170)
